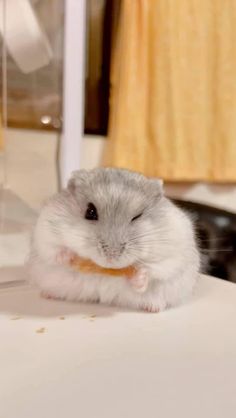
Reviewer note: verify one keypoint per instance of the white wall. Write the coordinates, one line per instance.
(32, 170)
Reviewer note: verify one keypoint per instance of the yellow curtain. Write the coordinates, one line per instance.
(173, 90)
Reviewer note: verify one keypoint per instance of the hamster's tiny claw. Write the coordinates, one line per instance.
(149, 307)
(64, 256)
(139, 281)
(45, 295)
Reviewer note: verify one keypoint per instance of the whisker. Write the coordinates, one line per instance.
(148, 239)
(230, 249)
(212, 239)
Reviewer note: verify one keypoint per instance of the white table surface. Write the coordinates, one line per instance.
(179, 363)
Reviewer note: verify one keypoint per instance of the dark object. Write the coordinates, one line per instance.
(216, 232)
(100, 23)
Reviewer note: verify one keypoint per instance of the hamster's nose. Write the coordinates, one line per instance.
(112, 251)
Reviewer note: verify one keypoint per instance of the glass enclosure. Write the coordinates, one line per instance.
(31, 66)
(32, 38)
(34, 76)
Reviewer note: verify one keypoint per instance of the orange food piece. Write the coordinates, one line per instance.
(88, 266)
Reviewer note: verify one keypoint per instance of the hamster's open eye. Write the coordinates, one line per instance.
(91, 213)
(136, 217)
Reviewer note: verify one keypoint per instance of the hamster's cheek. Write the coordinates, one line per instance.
(85, 247)
(77, 240)
(144, 238)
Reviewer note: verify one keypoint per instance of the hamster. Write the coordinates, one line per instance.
(115, 218)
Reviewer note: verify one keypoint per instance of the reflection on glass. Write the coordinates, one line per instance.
(34, 89)
(30, 98)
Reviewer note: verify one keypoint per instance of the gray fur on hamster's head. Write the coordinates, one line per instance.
(116, 208)
(115, 180)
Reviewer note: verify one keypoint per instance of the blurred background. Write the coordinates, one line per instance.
(148, 85)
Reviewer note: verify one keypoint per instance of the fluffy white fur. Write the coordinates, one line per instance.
(160, 242)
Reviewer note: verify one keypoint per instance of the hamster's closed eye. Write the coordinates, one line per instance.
(91, 212)
(136, 217)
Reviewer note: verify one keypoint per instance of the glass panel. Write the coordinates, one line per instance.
(32, 37)
(34, 89)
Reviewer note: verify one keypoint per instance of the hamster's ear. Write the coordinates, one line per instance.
(156, 187)
(77, 177)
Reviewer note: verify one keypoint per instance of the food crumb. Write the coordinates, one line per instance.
(62, 318)
(90, 317)
(40, 330)
(15, 318)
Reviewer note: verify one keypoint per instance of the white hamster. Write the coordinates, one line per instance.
(116, 218)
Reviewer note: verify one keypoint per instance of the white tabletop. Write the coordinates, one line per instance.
(179, 363)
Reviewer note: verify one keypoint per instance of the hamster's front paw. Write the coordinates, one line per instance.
(65, 256)
(151, 308)
(46, 295)
(139, 281)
